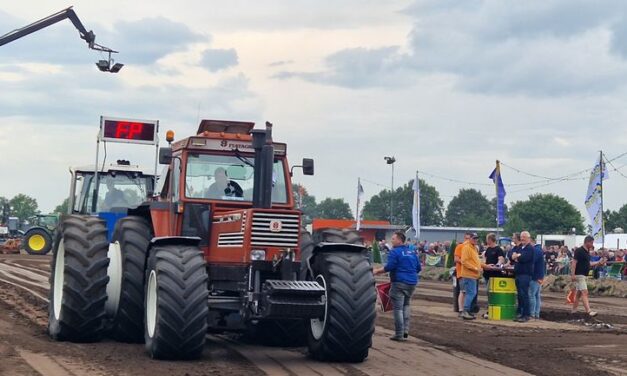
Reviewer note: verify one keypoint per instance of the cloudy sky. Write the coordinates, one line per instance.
(447, 87)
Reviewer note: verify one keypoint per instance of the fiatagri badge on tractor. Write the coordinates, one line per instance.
(220, 247)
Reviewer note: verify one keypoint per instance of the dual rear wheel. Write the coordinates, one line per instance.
(99, 289)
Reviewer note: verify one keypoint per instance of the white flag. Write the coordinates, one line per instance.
(416, 208)
(360, 196)
(594, 200)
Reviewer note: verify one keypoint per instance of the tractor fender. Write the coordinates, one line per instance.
(175, 240)
(31, 229)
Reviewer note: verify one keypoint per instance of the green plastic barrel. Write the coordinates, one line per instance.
(502, 299)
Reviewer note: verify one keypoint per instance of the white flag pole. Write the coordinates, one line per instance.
(416, 207)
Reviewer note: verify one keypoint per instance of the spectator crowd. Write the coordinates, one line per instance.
(524, 259)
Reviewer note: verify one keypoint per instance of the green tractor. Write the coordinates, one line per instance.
(37, 239)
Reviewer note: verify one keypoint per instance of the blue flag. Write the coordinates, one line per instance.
(500, 195)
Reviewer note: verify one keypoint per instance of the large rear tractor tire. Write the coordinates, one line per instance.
(176, 302)
(78, 280)
(125, 304)
(345, 332)
(336, 235)
(37, 241)
(306, 246)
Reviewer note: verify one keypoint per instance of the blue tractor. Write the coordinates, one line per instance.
(86, 273)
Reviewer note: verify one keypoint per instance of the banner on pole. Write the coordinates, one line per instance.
(360, 197)
(594, 199)
(416, 207)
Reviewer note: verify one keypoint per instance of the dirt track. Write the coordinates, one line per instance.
(440, 344)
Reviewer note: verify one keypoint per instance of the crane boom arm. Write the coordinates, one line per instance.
(88, 36)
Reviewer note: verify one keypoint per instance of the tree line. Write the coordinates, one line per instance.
(540, 213)
(23, 207)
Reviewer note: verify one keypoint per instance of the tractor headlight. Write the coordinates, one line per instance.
(257, 255)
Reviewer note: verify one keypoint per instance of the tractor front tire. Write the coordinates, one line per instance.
(345, 332)
(37, 241)
(78, 280)
(176, 302)
(128, 249)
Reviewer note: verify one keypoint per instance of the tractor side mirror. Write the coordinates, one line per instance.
(308, 166)
(165, 155)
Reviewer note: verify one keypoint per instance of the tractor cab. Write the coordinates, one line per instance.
(121, 186)
(48, 221)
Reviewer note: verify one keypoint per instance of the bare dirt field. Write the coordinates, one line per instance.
(440, 343)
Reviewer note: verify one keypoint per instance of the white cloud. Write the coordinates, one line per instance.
(215, 59)
(540, 49)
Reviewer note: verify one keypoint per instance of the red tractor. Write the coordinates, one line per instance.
(221, 248)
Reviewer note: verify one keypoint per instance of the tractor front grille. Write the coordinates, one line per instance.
(275, 230)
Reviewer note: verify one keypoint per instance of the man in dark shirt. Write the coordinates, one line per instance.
(523, 268)
(494, 256)
(515, 248)
(580, 267)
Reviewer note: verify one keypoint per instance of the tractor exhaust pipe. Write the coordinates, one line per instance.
(264, 160)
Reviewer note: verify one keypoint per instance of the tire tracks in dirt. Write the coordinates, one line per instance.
(386, 357)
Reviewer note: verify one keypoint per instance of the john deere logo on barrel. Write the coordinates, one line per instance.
(502, 284)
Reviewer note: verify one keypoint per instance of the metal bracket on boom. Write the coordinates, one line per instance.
(87, 36)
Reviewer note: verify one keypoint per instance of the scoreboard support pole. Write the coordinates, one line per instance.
(154, 183)
(126, 136)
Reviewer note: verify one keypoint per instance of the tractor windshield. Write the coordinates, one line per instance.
(48, 221)
(115, 190)
(224, 177)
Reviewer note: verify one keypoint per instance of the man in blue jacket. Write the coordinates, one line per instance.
(535, 286)
(403, 265)
(523, 268)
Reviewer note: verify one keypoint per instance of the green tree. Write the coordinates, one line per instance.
(23, 206)
(376, 253)
(614, 219)
(305, 202)
(544, 214)
(63, 207)
(334, 208)
(431, 206)
(5, 210)
(450, 260)
(470, 208)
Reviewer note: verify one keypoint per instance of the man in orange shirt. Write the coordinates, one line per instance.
(459, 292)
(470, 273)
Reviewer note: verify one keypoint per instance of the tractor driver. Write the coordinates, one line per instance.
(114, 197)
(223, 186)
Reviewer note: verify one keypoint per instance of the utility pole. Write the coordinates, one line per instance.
(602, 172)
(496, 186)
(390, 161)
